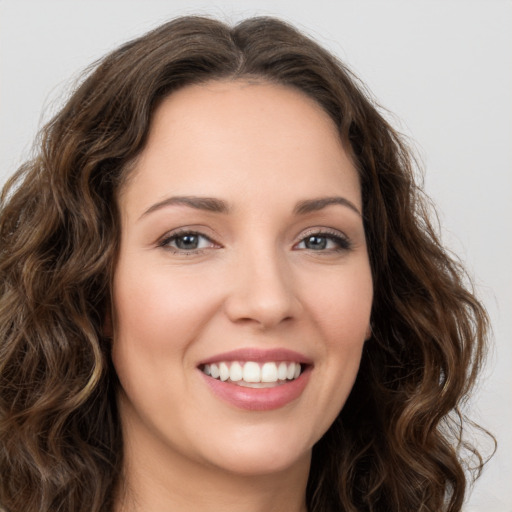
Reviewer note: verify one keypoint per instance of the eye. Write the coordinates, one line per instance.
(328, 242)
(187, 242)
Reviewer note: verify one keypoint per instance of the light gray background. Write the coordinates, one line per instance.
(443, 68)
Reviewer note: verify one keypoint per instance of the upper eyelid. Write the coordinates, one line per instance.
(317, 230)
(165, 244)
(322, 231)
(213, 235)
(339, 237)
(175, 233)
(199, 231)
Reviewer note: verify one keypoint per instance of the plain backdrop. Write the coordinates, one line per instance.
(442, 68)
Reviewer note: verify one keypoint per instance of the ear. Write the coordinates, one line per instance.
(368, 334)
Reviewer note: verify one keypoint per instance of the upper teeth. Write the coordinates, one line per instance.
(251, 371)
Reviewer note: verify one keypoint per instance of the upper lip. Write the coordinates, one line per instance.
(258, 355)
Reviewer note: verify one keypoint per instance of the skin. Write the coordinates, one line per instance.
(255, 281)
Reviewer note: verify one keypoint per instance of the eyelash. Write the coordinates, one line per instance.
(342, 242)
(167, 240)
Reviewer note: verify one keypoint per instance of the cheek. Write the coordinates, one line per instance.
(157, 317)
(342, 306)
(158, 312)
(339, 307)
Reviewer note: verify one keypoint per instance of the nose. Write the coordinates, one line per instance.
(263, 290)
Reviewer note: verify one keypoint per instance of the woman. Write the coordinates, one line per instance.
(221, 289)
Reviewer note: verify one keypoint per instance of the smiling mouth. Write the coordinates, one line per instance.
(252, 374)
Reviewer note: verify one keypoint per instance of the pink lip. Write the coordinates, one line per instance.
(259, 399)
(258, 355)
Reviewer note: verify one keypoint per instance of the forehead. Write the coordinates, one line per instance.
(241, 138)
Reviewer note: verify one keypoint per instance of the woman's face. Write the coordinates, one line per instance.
(242, 262)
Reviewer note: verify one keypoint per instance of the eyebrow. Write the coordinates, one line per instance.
(313, 205)
(211, 204)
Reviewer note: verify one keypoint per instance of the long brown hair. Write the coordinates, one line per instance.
(398, 442)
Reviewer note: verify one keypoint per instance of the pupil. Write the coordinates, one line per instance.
(187, 242)
(316, 242)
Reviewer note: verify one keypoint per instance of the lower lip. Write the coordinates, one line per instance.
(259, 399)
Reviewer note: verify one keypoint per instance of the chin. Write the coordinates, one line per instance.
(266, 462)
(263, 452)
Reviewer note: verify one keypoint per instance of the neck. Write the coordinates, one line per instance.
(149, 487)
(156, 479)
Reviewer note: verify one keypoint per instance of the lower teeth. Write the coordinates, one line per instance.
(244, 384)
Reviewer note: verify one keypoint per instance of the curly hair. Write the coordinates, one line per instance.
(397, 444)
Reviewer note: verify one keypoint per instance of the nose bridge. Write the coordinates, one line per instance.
(263, 288)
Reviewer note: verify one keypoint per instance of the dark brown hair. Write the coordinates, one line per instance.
(397, 445)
